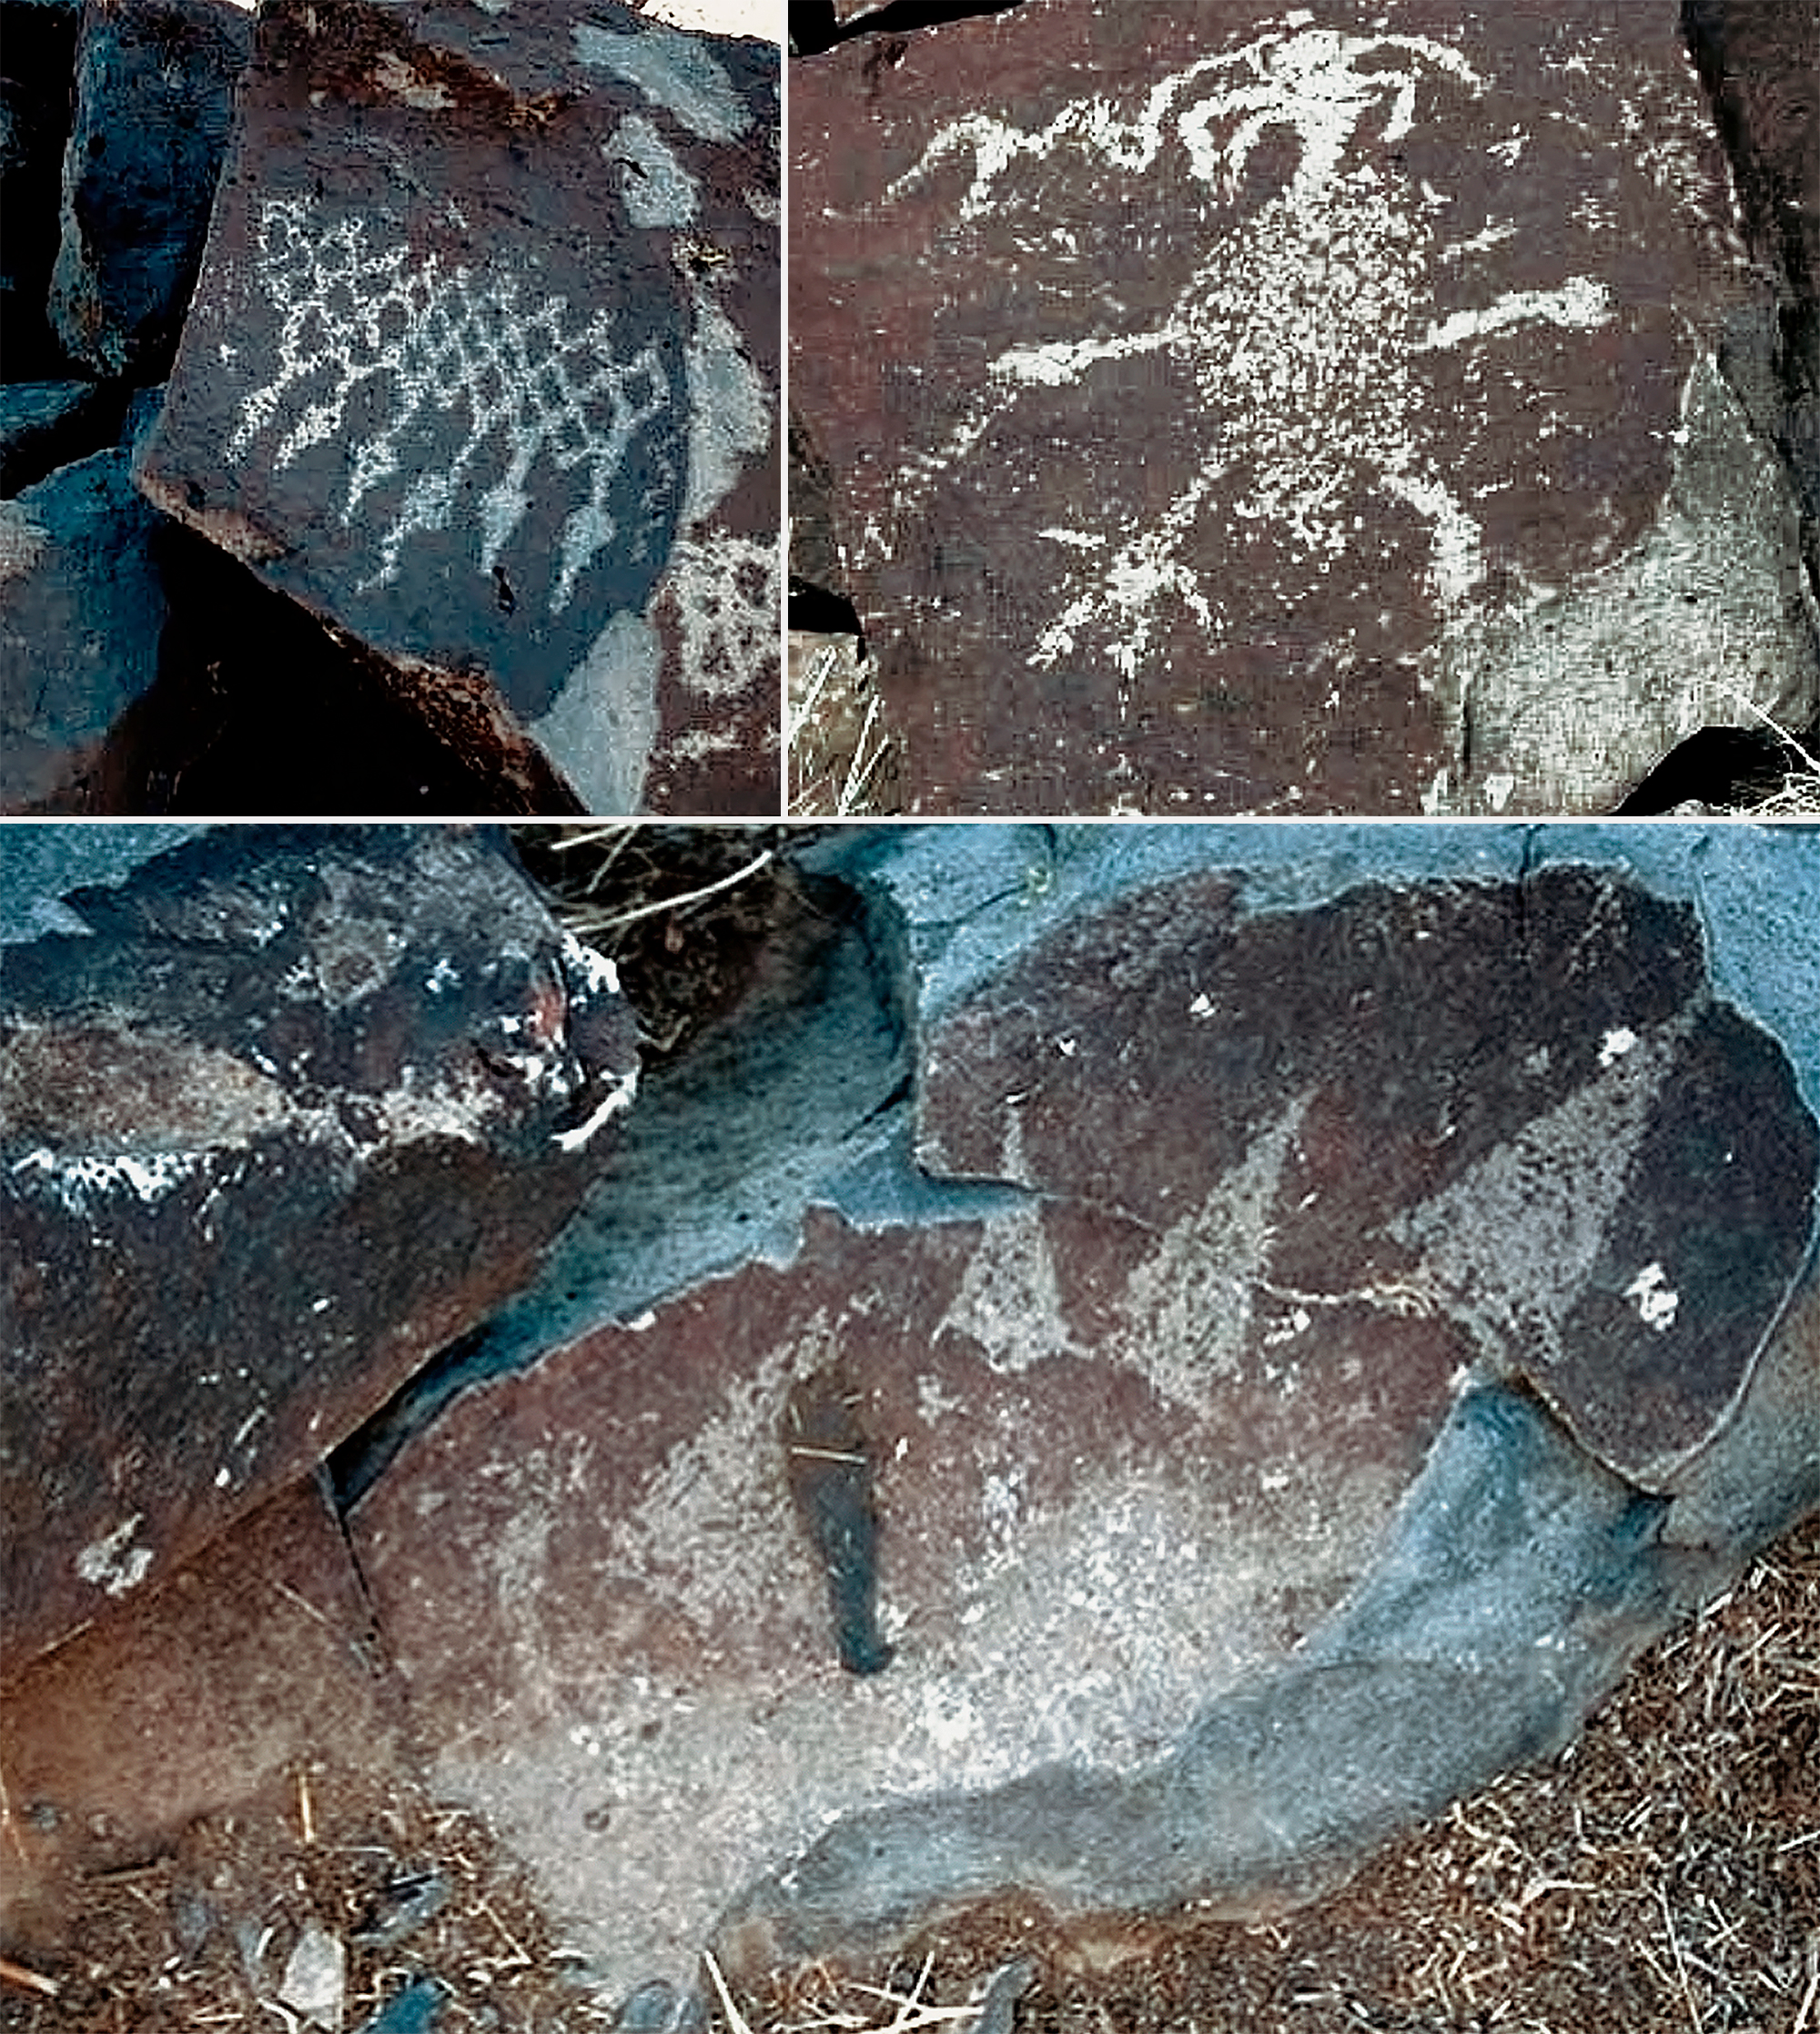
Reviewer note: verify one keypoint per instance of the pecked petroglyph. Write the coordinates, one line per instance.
(1311, 363)
(541, 387)
(1302, 327)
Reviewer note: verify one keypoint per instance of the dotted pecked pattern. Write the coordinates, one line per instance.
(728, 591)
(534, 386)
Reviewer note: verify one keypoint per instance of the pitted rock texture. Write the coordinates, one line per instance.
(1068, 1562)
(1607, 1196)
(482, 369)
(154, 98)
(281, 1116)
(1338, 413)
(1253, 1463)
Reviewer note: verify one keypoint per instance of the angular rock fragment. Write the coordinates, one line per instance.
(80, 623)
(1355, 411)
(1254, 1416)
(482, 369)
(154, 90)
(284, 1114)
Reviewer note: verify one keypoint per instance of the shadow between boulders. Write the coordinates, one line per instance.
(817, 25)
(802, 1092)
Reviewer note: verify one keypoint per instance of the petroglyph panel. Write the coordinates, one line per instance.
(1211, 412)
(1298, 1182)
(525, 384)
(488, 328)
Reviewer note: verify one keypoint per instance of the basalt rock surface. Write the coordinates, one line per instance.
(1250, 1333)
(482, 370)
(205, 1695)
(80, 624)
(283, 1113)
(1370, 410)
(154, 99)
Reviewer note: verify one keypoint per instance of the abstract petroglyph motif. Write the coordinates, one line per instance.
(728, 590)
(1303, 326)
(537, 383)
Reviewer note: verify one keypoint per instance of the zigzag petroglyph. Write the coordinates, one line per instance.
(537, 383)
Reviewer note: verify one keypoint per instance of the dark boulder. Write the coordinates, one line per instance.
(482, 370)
(283, 1114)
(155, 97)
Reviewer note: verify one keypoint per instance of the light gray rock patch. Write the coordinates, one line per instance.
(604, 723)
(673, 70)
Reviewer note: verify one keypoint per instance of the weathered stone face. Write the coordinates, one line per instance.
(287, 1114)
(1516, 1110)
(483, 365)
(1428, 1213)
(199, 1697)
(1072, 1550)
(154, 97)
(1308, 415)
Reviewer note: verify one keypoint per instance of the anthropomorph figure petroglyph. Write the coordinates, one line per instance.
(1302, 327)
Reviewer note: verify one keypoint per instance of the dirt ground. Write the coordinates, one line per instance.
(1663, 1873)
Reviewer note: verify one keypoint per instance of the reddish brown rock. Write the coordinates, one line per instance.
(1311, 1200)
(1355, 412)
(287, 1113)
(208, 1695)
(617, 1624)
(482, 369)
(1606, 1195)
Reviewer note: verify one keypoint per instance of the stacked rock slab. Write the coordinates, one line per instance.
(281, 1114)
(80, 624)
(1370, 409)
(482, 369)
(1232, 1405)
(154, 99)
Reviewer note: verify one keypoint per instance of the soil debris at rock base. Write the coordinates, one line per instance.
(1664, 1871)
(416, 1892)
